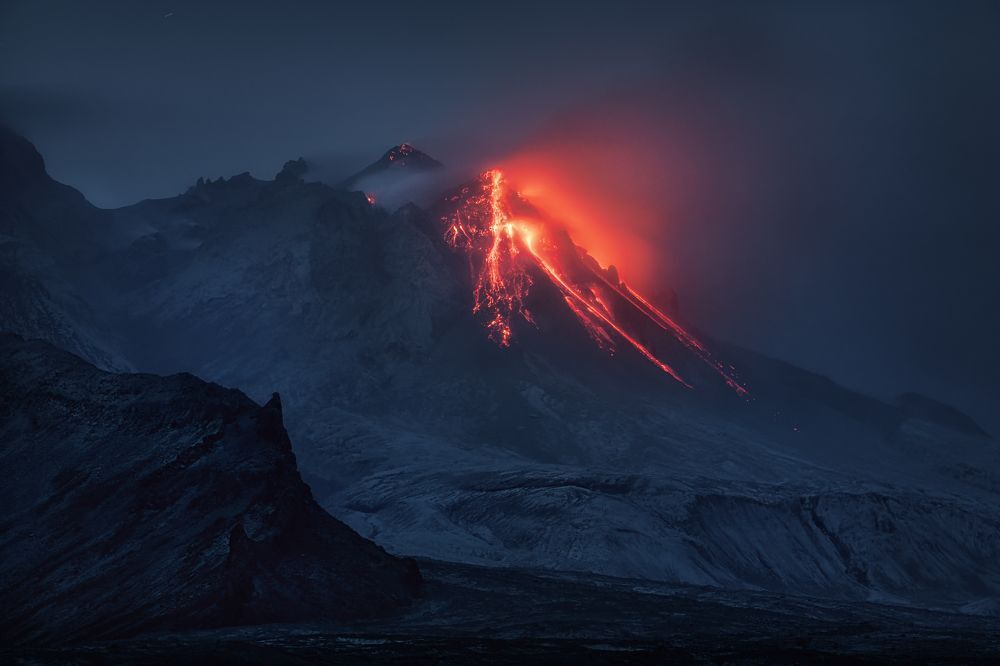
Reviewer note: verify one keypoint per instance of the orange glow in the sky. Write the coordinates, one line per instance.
(552, 187)
(620, 178)
(511, 242)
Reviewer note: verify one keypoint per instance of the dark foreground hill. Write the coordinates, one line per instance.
(475, 615)
(136, 502)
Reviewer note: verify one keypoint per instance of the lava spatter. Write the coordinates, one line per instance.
(505, 248)
(483, 227)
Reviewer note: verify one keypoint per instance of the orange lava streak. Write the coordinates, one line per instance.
(501, 248)
(607, 320)
(597, 334)
(501, 282)
(669, 325)
(688, 340)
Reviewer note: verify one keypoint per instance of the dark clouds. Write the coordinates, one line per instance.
(839, 207)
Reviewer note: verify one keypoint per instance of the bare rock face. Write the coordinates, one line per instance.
(138, 502)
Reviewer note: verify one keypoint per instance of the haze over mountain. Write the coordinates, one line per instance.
(417, 430)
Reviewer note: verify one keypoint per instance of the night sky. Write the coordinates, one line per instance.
(828, 188)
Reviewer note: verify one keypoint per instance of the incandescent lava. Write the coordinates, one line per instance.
(510, 244)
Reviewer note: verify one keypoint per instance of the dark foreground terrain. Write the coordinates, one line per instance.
(479, 615)
(145, 503)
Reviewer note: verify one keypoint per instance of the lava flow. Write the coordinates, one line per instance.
(510, 244)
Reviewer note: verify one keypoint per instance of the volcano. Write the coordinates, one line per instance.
(396, 159)
(510, 245)
(462, 382)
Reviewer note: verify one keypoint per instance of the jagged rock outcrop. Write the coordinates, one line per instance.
(138, 502)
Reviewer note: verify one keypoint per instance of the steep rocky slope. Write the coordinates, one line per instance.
(136, 502)
(49, 236)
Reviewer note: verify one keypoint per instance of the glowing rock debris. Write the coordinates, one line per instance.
(510, 244)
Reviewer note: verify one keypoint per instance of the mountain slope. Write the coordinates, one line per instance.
(416, 429)
(419, 431)
(402, 175)
(398, 158)
(143, 502)
(49, 236)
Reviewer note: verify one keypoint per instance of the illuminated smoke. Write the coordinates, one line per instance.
(507, 241)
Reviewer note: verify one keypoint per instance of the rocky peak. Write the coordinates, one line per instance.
(401, 157)
(405, 155)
